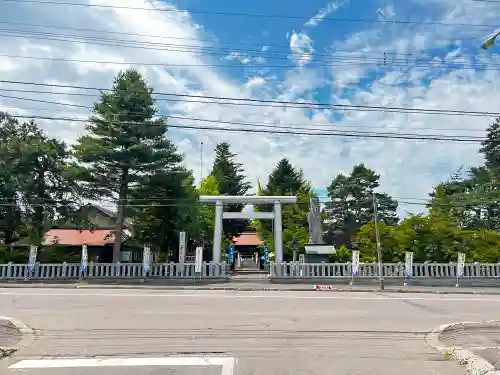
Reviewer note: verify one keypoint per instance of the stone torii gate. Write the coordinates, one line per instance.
(220, 200)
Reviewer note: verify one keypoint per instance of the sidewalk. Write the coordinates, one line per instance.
(9, 336)
(483, 340)
(253, 286)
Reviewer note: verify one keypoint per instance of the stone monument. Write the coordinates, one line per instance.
(314, 219)
(316, 250)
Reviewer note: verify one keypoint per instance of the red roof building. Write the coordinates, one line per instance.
(76, 237)
(248, 239)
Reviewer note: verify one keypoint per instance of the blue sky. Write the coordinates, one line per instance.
(433, 61)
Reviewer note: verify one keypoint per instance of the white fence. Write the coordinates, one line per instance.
(69, 271)
(390, 270)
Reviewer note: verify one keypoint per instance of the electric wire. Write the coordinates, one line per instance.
(249, 15)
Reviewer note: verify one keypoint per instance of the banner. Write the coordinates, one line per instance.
(32, 259)
(198, 265)
(182, 247)
(408, 265)
(85, 259)
(355, 263)
(146, 260)
(266, 255)
(230, 258)
(460, 265)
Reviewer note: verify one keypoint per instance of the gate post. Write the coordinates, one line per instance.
(278, 238)
(217, 243)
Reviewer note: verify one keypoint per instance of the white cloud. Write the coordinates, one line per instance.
(408, 168)
(244, 58)
(324, 12)
(301, 46)
(255, 82)
(386, 13)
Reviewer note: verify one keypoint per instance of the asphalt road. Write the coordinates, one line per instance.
(265, 332)
(9, 334)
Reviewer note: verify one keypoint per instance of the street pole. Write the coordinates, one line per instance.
(379, 249)
(201, 162)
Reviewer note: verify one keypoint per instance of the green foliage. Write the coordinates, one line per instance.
(431, 238)
(125, 144)
(286, 180)
(350, 205)
(342, 255)
(35, 180)
(472, 202)
(126, 156)
(490, 147)
(162, 206)
(231, 181)
(206, 213)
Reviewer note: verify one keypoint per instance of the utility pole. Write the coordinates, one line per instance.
(379, 250)
(201, 162)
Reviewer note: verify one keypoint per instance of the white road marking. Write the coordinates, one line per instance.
(227, 363)
(268, 295)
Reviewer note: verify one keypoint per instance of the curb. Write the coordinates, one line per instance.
(473, 363)
(243, 288)
(27, 337)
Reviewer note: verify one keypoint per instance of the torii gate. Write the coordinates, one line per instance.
(220, 200)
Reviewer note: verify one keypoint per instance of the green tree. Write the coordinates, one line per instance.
(472, 201)
(472, 198)
(163, 205)
(287, 180)
(36, 178)
(350, 205)
(434, 238)
(125, 144)
(490, 148)
(206, 212)
(10, 210)
(231, 181)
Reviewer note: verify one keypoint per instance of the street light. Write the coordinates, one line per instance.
(379, 247)
(490, 41)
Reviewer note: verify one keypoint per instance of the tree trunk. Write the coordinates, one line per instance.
(120, 215)
(39, 210)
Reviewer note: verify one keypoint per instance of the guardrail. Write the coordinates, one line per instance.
(74, 271)
(391, 271)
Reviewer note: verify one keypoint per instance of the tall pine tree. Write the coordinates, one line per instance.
(126, 142)
(350, 205)
(230, 181)
(472, 199)
(491, 148)
(285, 179)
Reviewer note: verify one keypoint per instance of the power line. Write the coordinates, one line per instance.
(285, 106)
(210, 50)
(290, 126)
(253, 15)
(337, 133)
(282, 103)
(336, 60)
(198, 40)
(156, 45)
(257, 125)
(333, 62)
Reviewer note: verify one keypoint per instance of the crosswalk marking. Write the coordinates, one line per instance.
(227, 363)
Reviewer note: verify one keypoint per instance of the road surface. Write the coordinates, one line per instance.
(270, 333)
(9, 335)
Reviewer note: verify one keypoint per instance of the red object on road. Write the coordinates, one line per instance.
(323, 287)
